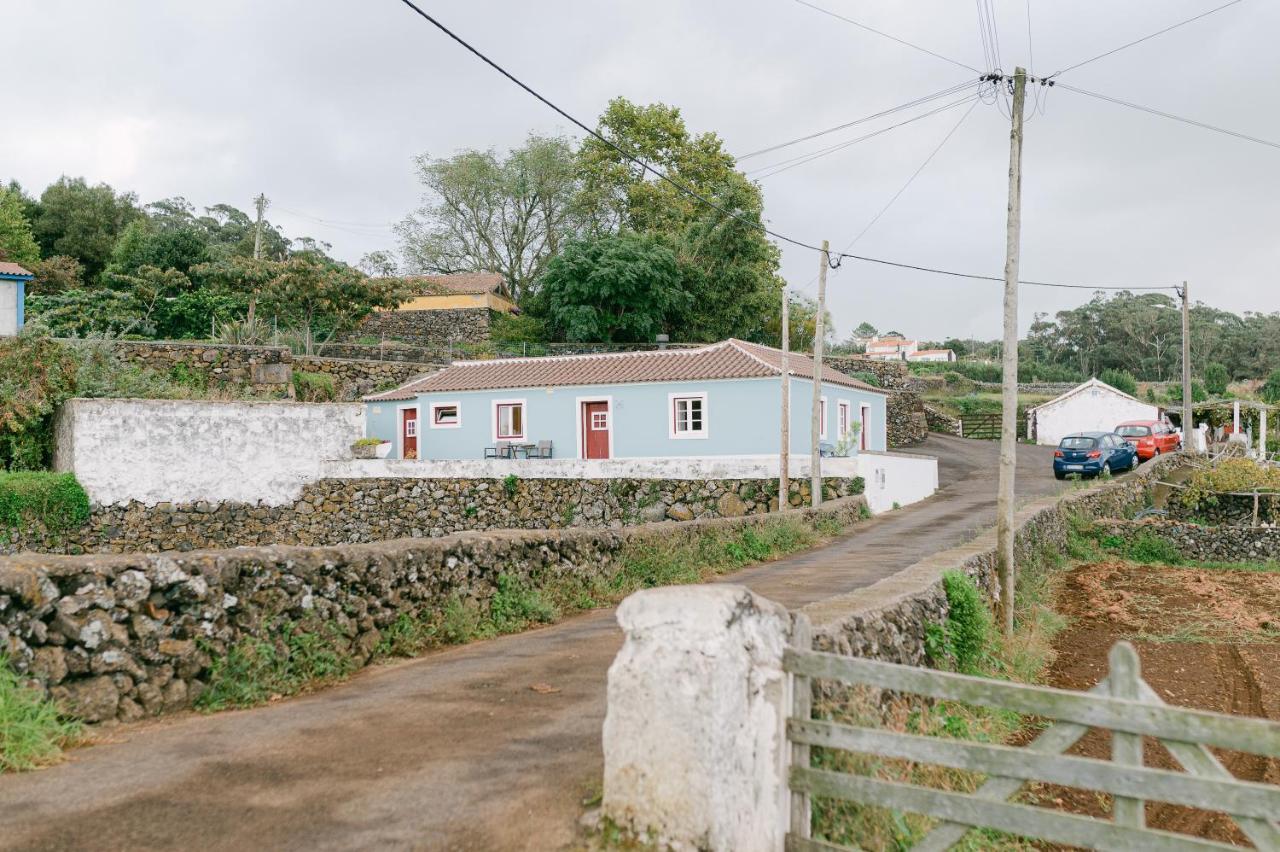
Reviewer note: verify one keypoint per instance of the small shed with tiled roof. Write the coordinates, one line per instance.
(13, 296)
(723, 399)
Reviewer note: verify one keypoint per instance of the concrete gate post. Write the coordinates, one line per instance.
(695, 750)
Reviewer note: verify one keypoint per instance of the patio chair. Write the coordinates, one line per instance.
(501, 451)
(543, 451)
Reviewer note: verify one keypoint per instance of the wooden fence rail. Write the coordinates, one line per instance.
(1122, 702)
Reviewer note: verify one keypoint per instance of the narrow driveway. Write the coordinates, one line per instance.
(451, 751)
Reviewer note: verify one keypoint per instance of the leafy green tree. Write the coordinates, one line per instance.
(865, 329)
(56, 274)
(1270, 390)
(1120, 380)
(16, 241)
(615, 288)
(83, 221)
(1216, 379)
(484, 212)
(802, 325)
(145, 244)
(318, 296)
(85, 313)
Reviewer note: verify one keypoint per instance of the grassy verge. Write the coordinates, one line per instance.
(969, 642)
(32, 733)
(54, 499)
(302, 657)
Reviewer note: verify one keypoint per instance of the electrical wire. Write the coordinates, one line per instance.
(1191, 121)
(988, 55)
(301, 215)
(646, 167)
(800, 160)
(1031, 53)
(1145, 38)
(995, 33)
(951, 90)
(886, 35)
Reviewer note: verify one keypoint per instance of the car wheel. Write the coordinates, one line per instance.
(1106, 469)
(1157, 452)
(1057, 474)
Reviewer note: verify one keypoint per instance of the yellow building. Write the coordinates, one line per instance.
(459, 291)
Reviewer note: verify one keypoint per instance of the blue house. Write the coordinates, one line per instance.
(13, 295)
(723, 399)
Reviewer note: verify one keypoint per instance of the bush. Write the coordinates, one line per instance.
(1271, 388)
(53, 499)
(1153, 549)
(1216, 379)
(314, 387)
(1120, 380)
(1232, 475)
(31, 730)
(968, 621)
(863, 376)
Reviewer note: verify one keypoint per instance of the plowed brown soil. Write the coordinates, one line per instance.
(1208, 639)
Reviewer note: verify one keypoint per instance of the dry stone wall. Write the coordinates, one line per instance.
(122, 637)
(1197, 542)
(386, 351)
(940, 421)
(892, 375)
(1228, 510)
(429, 328)
(905, 419)
(266, 369)
(343, 511)
(356, 378)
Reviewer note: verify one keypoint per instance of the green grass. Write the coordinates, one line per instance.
(256, 670)
(314, 387)
(54, 499)
(32, 732)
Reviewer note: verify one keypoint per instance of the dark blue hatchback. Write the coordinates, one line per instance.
(1090, 453)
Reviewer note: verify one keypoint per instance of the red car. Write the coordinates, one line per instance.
(1150, 437)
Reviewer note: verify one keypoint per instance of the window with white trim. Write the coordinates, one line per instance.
(446, 415)
(411, 428)
(688, 415)
(842, 414)
(510, 420)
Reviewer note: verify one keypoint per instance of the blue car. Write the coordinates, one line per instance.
(1090, 453)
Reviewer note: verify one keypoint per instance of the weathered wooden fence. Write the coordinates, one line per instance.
(988, 425)
(1122, 702)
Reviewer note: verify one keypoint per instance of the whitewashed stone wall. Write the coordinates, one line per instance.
(895, 478)
(180, 451)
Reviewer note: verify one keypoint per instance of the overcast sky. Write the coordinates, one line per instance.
(322, 104)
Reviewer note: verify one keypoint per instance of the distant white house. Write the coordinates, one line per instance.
(922, 355)
(1094, 406)
(890, 348)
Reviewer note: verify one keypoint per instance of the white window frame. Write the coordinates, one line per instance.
(700, 434)
(524, 419)
(456, 424)
(843, 423)
(578, 402)
(864, 418)
(417, 416)
(822, 420)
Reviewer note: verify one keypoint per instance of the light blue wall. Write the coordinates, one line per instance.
(742, 418)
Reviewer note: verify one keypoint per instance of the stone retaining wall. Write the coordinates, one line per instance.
(940, 421)
(1196, 542)
(346, 511)
(888, 619)
(1227, 510)
(905, 419)
(429, 328)
(357, 378)
(120, 637)
(388, 350)
(892, 375)
(266, 369)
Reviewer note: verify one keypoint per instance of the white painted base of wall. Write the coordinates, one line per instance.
(896, 478)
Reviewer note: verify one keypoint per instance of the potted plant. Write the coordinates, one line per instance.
(368, 448)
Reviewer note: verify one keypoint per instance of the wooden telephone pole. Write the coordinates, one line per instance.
(784, 456)
(1188, 417)
(815, 435)
(1009, 387)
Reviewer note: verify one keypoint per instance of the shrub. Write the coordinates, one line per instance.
(515, 605)
(1216, 379)
(56, 500)
(968, 621)
(31, 730)
(314, 387)
(1232, 475)
(510, 483)
(863, 376)
(1120, 380)
(1270, 390)
(1153, 549)
(255, 670)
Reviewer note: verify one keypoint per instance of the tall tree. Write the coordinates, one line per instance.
(16, 241)
(485, 212)
(83, 221)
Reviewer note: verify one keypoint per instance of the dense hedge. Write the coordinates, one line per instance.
(54, 499)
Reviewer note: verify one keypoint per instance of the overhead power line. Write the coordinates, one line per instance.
(711, 204)
(950, 90)
(785, 165)
(901, 41)
(1191, 121)
(1146, 37)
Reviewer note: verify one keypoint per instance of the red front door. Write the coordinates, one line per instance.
(595, 430)
(408, 433)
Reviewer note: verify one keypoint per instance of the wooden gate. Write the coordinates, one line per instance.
(1122, 702)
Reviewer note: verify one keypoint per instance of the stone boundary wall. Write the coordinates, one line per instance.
(1227, 510)
(356, 378)
(429, 328)
(263, 368)
(940, 421)
(1200, 543)
(888, 620)
(387, 351)
(348, 511)
(892, 375)
(121, 637)
(1050, 388)
(905, 419)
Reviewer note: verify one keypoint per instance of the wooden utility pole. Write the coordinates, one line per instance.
(1188, 417)
(1009, 387)
(261, 203)
(815, 435)
(784, 456)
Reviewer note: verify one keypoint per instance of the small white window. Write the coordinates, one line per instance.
(446, 415)
(688, 415)
(411, 428)
(599, 421)
(509, 420)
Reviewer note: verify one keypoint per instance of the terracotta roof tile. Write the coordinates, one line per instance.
(730, 359)
(462, 283)
(7, 268)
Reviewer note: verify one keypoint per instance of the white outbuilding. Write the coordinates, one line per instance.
(1091, 407)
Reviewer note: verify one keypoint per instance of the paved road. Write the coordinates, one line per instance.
(450, 751)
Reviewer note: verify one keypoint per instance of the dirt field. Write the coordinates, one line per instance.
(1207, 638)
